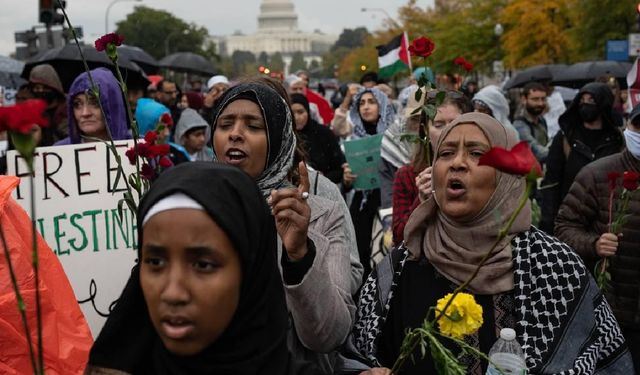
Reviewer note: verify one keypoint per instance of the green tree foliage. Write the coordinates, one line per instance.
(537, 32)
(297, 62)
(153, 30)
(596, 21)
(243, 62)
(276, 63)
(263, 58)
(351, 38)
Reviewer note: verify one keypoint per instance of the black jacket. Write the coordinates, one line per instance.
(569, 151)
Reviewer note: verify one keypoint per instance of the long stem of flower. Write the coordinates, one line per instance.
(21, 306)
(134, 126)
(97, 93)
(36, 268)
(501, 235)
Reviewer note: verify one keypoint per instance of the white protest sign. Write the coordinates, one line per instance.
(76, 200)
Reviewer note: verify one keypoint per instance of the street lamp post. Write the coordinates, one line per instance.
(497, 65)
(106, 14)
(396, 24)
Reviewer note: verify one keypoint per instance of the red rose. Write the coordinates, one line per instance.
(151, 136)
(131, 155)
(459, 60)
(630, 180)
(613, 180)
(143, 150)
(158, 150)
(422, 47)
(147, 172)
(103, 41)
(165, 162)
(467, 66)
(519, 160)
(23, 116)
(166, 119)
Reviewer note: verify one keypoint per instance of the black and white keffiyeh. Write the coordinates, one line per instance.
(564, 323)
(281, 142)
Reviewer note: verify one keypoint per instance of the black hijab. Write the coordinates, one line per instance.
(281, 142)
(255, 340)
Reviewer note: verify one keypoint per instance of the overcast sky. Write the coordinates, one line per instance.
(220, 17)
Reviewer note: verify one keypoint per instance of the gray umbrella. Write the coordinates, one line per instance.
(579, 74)
(188, 62)
(10, 70)
(9, 65)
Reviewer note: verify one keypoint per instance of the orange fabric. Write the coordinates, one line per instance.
(66, 335)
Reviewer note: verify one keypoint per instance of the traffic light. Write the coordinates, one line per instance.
(49, 12)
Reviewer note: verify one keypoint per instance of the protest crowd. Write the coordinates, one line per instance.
(287, 231)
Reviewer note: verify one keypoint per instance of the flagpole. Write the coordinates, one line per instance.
(406, 43)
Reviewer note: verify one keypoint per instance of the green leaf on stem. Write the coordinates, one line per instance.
(430, 110)
(413, 138)
(440, 96)
(121, 202)
(25, 145)
(418, 96)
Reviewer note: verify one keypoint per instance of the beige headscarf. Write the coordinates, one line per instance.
(455, 248)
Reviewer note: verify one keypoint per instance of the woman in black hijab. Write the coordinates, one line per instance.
(164, 323)
(319, 142)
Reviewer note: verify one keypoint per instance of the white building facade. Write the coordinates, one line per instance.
(278, 32)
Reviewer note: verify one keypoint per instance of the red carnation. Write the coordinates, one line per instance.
(467, 66)
(147, 172)
(459, 60)
(150, 137)
(166, 119)
(165, 162)
(103, 41)
(630, 180)
(519, 160)
(131, 155)
(422, 47)
(23, 116)
(158, 150)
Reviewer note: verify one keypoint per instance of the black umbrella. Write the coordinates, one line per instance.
(68, 64)
(537, 73)
(189, 63)
(136, 54)
(579, 74)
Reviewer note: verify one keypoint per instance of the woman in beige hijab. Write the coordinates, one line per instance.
(532, 283)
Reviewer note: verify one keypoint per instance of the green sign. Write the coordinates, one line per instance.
(363, 156)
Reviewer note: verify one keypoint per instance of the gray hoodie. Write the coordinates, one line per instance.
(190, 119)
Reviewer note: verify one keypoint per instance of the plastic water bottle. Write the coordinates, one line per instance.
(507, 354)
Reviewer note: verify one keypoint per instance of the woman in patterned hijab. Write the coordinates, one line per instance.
(253, 130)
(531, 283)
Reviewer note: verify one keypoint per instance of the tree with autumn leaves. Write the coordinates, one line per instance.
(535, 32)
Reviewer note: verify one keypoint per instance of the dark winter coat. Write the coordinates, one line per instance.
(569, 151)
(584, 216)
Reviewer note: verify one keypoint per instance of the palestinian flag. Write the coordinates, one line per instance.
(393, 57)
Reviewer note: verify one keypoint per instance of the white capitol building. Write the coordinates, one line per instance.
(278, 32)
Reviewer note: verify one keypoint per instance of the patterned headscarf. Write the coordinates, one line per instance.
(281, 142)
(387, 115)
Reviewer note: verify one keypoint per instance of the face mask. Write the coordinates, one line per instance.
(48, 96)
(633, 142)
(589, 112)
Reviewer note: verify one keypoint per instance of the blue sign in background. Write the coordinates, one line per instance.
(618, 50)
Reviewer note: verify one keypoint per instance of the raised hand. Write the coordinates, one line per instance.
(292, 214)
(423, 182)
